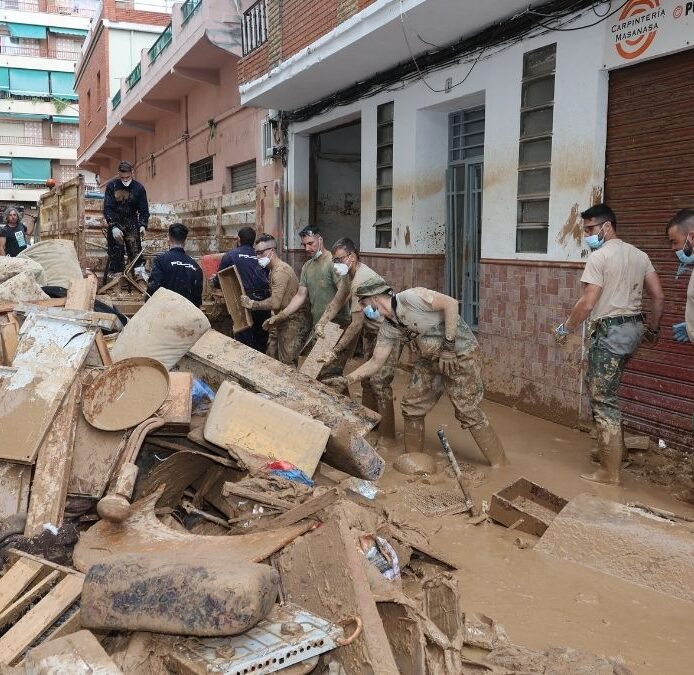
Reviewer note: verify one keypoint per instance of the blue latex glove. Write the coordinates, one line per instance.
(679, 332)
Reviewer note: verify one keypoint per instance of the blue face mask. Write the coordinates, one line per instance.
(371, 313)
(594, 242)
(684, 258)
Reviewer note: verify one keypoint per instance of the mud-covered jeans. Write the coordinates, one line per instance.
(610, 350)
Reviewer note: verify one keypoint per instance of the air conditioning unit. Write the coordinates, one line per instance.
(270, 148)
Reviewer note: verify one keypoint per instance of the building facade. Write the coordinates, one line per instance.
(177, 114)
(40, 41)
(457, 143)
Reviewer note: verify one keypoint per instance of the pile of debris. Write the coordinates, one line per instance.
(165, 508)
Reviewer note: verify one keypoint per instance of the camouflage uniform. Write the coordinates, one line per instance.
(379, 387)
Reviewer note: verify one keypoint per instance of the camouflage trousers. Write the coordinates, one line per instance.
(379, 387)
(610, 350)
(116, 250)
(464, 389)
(287, 339)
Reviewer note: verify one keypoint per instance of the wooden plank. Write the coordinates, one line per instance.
(15, 483)
(242, 420)
(70, 625)
(102, 347)
(52, 472)
(9, 337)
(23, 555)
(177, 409)
(78, 653)
(52, 302)
(308, 508)
(216, 358)
(16, 579)
(49, 355)
(38, 619)
(232, 287)
(98, 319)
(82, 293)
(256, 496)
(312, 366)
(16, 609)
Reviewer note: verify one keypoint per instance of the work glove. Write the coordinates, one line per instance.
(448, 362)
(679, 332)
(117, 234)
(337, 382)
(246, 302)
(651, 335)
(319, 330)
(273, 320)
(142, 231)
(561, 332)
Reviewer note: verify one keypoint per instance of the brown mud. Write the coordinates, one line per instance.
(541, 601)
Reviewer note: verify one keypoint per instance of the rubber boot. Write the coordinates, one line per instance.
(490, 444)
(611, 449)
(414, 434)
(386, 428)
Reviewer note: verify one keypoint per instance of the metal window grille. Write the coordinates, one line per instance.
(201, 171)
(254, 30)
(115, 101)
(535, 156)
(384, 175)
(134, 76)
(163, 41)
(243, 176)
(465, 135)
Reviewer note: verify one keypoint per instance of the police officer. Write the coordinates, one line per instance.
(126, 213)
(447, 360)
(176, 270)
(613, 282)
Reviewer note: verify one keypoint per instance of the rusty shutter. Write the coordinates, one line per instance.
(649, 176)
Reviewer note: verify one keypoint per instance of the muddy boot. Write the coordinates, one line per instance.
(610, 450)
(386, 428)
(490, 444)
(414, 434)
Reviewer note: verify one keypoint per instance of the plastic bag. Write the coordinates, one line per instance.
(203, 395)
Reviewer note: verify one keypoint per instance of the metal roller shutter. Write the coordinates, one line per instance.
(649, 176)
(243, 176)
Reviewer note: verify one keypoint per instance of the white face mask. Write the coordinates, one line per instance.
(341, 268)
(126, 182)
(318, 254)
(264, 262)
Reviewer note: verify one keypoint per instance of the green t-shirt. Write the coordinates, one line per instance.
(321, 280)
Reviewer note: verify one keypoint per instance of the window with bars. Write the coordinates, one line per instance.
(254, 27)
(242, 176)
(201, 171)
(384, 175)
(535, 156)
(465, 135)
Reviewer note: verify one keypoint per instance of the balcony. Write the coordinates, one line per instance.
(115, 101)
(65, 9)
(43, 142)
(377, 38)
(188, 8)
(163, 42)
(38, 52)
(134, 77)
(254, 28)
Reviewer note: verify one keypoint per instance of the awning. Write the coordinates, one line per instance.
(4, 79)
(59, 30)
(24, 116)
(30, 170)
(27, 82)
(63, 85)
(5, 160)
(62, 119)
(26, 30)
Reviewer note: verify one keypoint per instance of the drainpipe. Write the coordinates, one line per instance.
(186, 137)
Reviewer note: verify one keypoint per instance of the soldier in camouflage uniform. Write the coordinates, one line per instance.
(286, 338)
(613, 282)
(448, 360)
(377, 391)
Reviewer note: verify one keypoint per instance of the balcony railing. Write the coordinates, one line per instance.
(188, 8)
(64, 8)
(163, 41)
(39, 52)
(9, 184)
(115, 101)
(134, 76)
(50, 142)
(254, 31)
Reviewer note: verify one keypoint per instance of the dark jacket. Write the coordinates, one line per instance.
(177, 272)
(13, 247)
(254, 278)
(126, 207)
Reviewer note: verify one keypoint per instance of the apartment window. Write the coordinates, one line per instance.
(242, 176)
(89, 106)
(535, 156)
(254, 29)
(384, 175)
(201, 171)
(98, 87)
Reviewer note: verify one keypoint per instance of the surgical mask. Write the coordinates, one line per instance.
(318, 254)
(126, 182)
(341, 268)
(372, 313)
(684, 258)
(594, 242)
(264, 262)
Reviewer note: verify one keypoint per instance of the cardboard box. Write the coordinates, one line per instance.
(525, 501)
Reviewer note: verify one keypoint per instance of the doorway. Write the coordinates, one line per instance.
(464, 213)
(335, 182)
